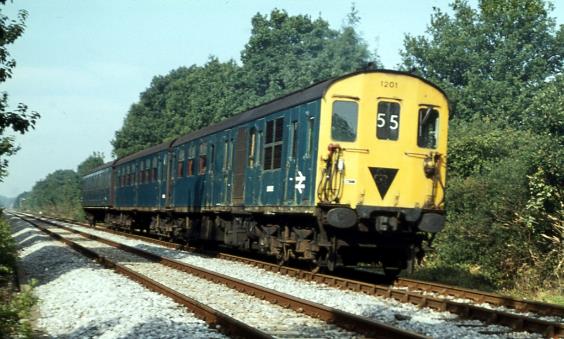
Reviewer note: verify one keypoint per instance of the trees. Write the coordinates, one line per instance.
(57, 194)
(184, 100)
(19, 119)
(284, 53)
(492, 60)
(94, 160)
(147, 123)
(501, 66)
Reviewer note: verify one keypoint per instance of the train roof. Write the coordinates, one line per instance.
(302, 96)
(313, 92)
(99, 168)
(143, 153)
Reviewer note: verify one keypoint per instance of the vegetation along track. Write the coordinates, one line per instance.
(356, 324)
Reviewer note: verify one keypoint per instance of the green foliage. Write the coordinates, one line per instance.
(545, 115)
(94, 160)
(57, 194)
(454, 274)
(20, 201)
(501, 208)
(284, 53)
(500, 64)
(186, 99)
(7, 250)
(490, 60)
(19, 119)
(15, 309)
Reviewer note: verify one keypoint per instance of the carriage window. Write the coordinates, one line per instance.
(164, 168)
(252, 143)
(259, 141)
(180, 163)
(310, 136)
(344, 121)
(225, 154)
(428, 128)
(212, 161)
(203, 158)
(273, 144)
(154, 174)
(141, 173)
(148, 170)
(387, 120)
(294, 139)
(191, 161)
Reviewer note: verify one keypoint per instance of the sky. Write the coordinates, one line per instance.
(81, 64)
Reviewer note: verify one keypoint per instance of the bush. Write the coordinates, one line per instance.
(15, 311)
(504, 204)
(15, 308)
(7, 250)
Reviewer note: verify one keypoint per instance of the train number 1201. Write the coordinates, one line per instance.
(389, 84)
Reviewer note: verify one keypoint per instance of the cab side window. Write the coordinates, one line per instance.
(388, 120)
(344, 121)
(428, 130)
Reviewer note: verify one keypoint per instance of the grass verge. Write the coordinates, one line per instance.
(15, 307)
(471, 278)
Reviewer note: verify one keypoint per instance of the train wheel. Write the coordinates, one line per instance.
(391, 273)
(282, 256)
(315, 268)
(280, 260)
(331, 261)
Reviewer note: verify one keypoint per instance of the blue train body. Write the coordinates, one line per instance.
(316, 175)
(192, 173)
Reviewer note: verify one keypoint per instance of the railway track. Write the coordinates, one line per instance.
(353, 325)
(412, 292)
(479, 297)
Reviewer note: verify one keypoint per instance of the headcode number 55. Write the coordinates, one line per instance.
(393, 120)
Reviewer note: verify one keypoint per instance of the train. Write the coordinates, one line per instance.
(349, 171)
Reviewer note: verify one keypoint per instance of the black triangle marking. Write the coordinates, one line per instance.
(383, 177)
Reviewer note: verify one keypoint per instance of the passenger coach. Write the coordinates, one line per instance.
(348, 170)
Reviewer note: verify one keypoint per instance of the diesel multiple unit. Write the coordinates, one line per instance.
(348, 170)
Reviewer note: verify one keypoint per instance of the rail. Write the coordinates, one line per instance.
(515, 321)
(349, 321)
(225, 323)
